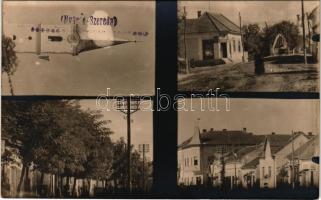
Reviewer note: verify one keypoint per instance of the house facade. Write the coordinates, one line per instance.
(249, 160)
(211, 36)
(197, 154)
(267, 172)
(300, 166)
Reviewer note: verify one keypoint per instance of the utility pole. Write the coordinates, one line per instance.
(309, 31)
(293, 174)
(303, 29)
(128, 147)
(235, 175)
(128, 107)
(222, 168)
(185, 53)
(240, 18)
(143, 148)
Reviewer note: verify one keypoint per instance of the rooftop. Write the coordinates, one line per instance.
(308, 150)
(211, 22)
(239, 138)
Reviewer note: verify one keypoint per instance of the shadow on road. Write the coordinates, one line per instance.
(292, 72)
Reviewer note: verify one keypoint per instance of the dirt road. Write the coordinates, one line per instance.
(241, 78)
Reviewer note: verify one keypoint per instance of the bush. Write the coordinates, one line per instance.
(203, 63)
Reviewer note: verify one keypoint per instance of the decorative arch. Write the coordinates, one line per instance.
(279, 43)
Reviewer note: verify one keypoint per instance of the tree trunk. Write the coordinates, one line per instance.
(42, 178)
(10, 84)
(40, 186)
(60, 185)
(27, 180)
(23, 170)
(74, 187)
(89, 187)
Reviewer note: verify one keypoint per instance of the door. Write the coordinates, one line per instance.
(208, 49)
(224, 50)
(198, 180)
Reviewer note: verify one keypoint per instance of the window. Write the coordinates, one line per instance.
(14, 37)
(55, 38)
(230, 48)
(29, 38)
(234, 46)
(208, 49)
(195, 161)
(239, 46)
(270, 171)
(263, 171)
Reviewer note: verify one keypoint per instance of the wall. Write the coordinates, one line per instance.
(267, 176)
(280, 156)
(195, 49)
(310, 170)
(188, 170)
(235, 54)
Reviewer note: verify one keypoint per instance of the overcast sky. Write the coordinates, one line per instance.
(127, 68)
(259, 116)
(141, 126)
(251, 11)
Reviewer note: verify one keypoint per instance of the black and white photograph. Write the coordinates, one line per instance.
(266, 148)
(78, 48)
(248, 46)
(75, 149)
(152, 99)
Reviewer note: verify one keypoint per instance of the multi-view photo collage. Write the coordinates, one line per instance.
(160, 99)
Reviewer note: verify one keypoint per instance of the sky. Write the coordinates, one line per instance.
(259, 116)
(141, 126)
(126, 69)
(251, 11)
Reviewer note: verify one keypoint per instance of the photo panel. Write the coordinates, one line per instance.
(76, 148)
(248, 148)
(79, 48)
(248, 46)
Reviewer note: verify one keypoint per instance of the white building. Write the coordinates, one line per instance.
(211, 36)
(306, 170)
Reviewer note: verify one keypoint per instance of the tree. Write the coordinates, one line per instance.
(119, 166)
(9, 59)
(288, 29)
(253, 40)
(58, 137)
(259, 41)
(119, 173)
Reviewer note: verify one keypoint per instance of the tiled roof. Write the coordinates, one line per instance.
(278, 141)
(308, 150)
(252, 164)
(211, 23)
(239, 137)
(231, 138)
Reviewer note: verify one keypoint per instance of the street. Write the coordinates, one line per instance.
(240, 77)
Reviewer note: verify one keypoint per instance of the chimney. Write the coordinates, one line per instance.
(224, 129)
(204, 130)
(244, 130)
(273, 133)
(199, 13)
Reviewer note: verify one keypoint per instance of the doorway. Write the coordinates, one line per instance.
(224, 50)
